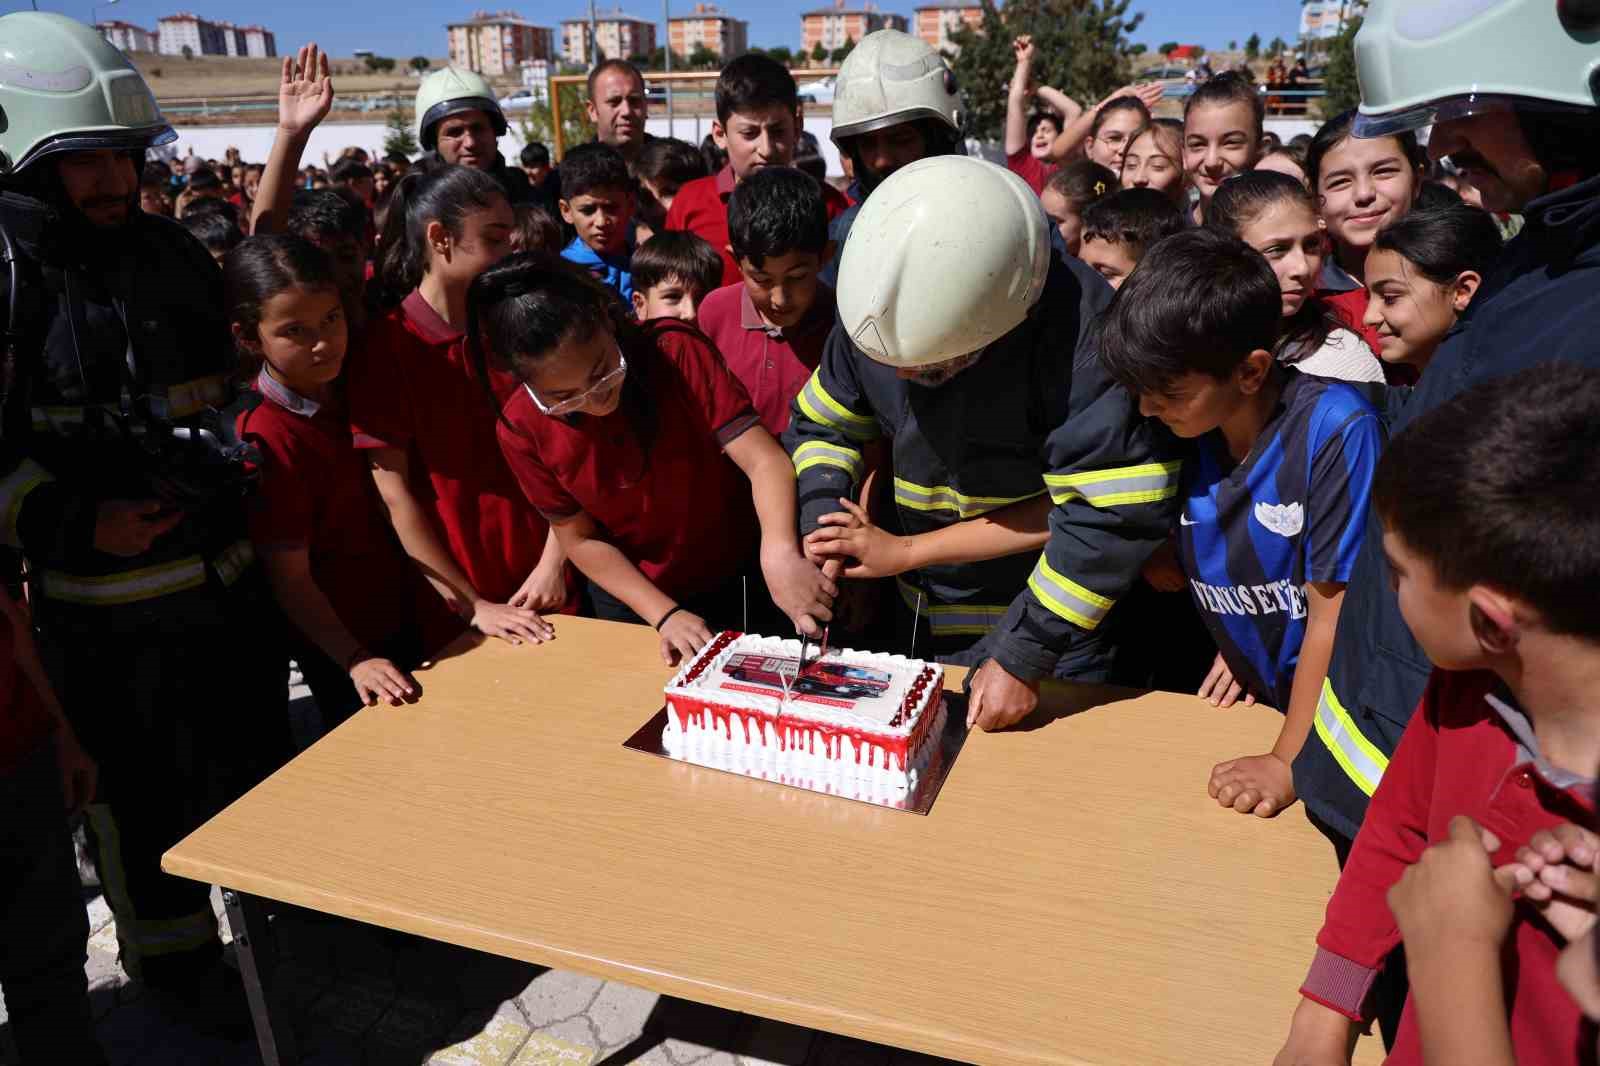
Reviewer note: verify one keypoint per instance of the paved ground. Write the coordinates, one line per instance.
(367, 997)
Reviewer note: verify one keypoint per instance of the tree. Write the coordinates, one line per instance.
(420, 63)
(842, 53)
(1138, 50)
(1083, 50)
(1277, 47)
(1233, 46)
(1339, 85)
(819, 53)
(1168, 48)
(575, 125)
(704, 58)
(188, 53)
(400, 137)
(782, 54)
(379, 64)
(1252, 47)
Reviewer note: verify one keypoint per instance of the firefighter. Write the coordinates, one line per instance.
(118, 486)
(459, 121)
(962, 339)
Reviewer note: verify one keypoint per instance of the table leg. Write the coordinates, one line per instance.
(258, 966)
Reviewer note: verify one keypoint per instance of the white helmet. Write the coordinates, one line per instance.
(890, 78)
(947, 256)
(449, 92)
(1425, 61)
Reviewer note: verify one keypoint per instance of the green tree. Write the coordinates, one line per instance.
(819, 53)
(1252, 47)
(400, 137)
(840, 54)
(1083, 50)
(379, 64)
(575, 125)
(1138, 50)
(782, 54)
(704, 58)
(1339, 83)
(1277, 47)
(420, 63)
(1233, 46)
(188, 53)
(1168, 48)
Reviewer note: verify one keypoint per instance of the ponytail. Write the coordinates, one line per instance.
(444, 194)
(1444, 241)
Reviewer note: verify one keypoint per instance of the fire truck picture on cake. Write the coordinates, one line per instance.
(822, 678)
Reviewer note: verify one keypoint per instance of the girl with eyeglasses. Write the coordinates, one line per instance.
(644, 453)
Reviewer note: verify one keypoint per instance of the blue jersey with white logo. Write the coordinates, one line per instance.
(1294, 512)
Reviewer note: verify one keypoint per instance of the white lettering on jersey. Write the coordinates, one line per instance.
(1251, 600)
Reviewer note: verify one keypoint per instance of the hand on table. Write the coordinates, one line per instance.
(996, 699)
(1556, 871)
(799, 588)
(1262, 785)
(1451, 899)
(682, 635)
(544, 590)
(511, 624)
(378, 679)
(864, 549)
(305, 93)
(1221, 688)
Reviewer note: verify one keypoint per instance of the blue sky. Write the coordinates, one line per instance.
(408, 27)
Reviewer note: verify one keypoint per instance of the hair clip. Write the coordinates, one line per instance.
(1099, 188)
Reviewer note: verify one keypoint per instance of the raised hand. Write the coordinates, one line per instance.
(305, 93)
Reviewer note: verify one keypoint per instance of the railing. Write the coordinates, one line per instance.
(701, 82)
(375, 100)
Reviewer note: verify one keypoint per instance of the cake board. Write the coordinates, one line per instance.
(647, 739)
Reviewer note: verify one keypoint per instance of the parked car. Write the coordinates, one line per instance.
(517, 100)
(817, 92)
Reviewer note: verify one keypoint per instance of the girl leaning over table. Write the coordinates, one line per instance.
(646, 456)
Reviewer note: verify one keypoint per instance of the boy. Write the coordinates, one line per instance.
(757, 124)
(672, 274)
(1118, 230)
(1489, 527)
(336, 221)
(357, 177)
(543, 179)
(597, 202)
(1274, 494)
(771, 326)
(216, 224)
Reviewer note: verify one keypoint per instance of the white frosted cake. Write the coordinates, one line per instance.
(854, 723)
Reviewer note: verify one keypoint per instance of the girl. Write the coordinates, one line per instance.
(1154, 160)
(416, 407)
(1286, 159)
(636, 443)
(1422, 274)
(1222, 124)
(334, 567)
(1116, 123)
(1068, 195)
(1361, 185)
(1273, 214)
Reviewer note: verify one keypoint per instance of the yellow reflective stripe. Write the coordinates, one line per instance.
(945, 498)
(129, 586)
(819, 453)
(1066, 598)
(955, 619)
(1117, 486)
(14, 489)
(825, 410)
(190, 396)
(234, 561)
(1361, 761)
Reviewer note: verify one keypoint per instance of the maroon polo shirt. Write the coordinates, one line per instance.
(1036, 172)
(701, 207)
(315, 493)
(772, 364)
(679, 509)
(412, 387)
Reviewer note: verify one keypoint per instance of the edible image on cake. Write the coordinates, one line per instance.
(825, 681)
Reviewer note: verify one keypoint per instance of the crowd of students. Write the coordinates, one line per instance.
(1142, 410)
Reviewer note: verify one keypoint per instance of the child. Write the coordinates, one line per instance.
(355, 176)
(1029, 139)
(1119, 229)
(215, 225)
(1222, 125)
(1069, 192)
(1154, 160)
(367, 615)
(597, 202)
(536, 230)
(770, 328)
(1422, 274)
(155, 191)
(673, 273)
(758, 120)
(1275, 494)
(636, 444)
(1116, 123)
(337, 222)
(665, 166)
(1361, 185)
(1489, 526)
(417, 408)
(1287, 159)
(1273, 214)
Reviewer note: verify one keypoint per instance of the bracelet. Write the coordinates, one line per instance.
(355, 657)
(668, 615)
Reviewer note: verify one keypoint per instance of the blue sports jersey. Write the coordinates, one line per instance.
(1253, 535)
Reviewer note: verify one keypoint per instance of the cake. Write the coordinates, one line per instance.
(853, 723)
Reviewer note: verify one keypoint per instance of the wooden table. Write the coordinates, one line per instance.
(1074, 896)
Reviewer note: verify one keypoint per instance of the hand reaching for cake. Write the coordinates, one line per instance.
(799, 588)
(865, 548)
(682, 634)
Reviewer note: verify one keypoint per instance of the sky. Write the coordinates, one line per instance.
(411, 27)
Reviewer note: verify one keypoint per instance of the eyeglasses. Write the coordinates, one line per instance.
(563, 407)
(1114, 138)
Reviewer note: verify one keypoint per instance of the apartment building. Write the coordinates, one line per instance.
(936, 22)
(127, 36)
(206, 38)
(709, 27)
(619, 36)
(832, 26)
(499, 43)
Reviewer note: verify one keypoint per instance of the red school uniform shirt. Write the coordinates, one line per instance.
(701, 207)
(1347, 298)
(1469, 750)
(315, 493)
(772, 364)
(681, 513)
(1036, 172)
(412, 388)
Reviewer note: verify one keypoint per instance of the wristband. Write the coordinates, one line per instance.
(668, 615)
(355, 657)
